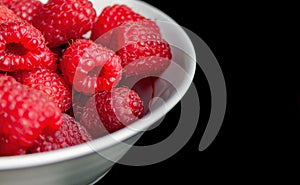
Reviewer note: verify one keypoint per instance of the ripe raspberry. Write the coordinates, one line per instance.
(50, 83)
(7, 15)
(26, 9)
(5, 2)
(112, 17)
(69, 134)
(91, 68)
(145, 88)
(89, 118)
(78, 104)
(22, 47)
(119, 108)
(132, 32)
(7, 149)
(24, 113)
(141, 48)
(63, 20)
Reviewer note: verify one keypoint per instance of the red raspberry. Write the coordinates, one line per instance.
(22, 47)
(91, 68)
(26, 9)
(50, 83)
(141, 48)
(69, 134)
(118, 108)
(8, 149)
(63, 20)
(132, 32)
(112, 17)
(5, 2)
(24, 113)
(145, 87)
(89, 118)
(78, 104)
(7, 15)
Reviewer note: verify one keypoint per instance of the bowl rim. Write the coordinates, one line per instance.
(100, 144)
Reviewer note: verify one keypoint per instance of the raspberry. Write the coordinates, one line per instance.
(63, 20)
(78, 104)
(22, 47)
(24, 113)
(145, 87)
(26, 9)
(91, 68)
(69, 134)
(50, 83)
(112, 17)
(89, 118)
(141, 48)
(118, 108)
(7, 149)
(132, 32)
(6, 2)
(7, 15)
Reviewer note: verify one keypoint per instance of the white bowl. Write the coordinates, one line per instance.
(86, 163)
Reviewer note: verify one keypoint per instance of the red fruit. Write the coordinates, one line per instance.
(141, 48)
(50, 83)
(69, 134)
(5, 2)
(119, 108)
(63, 20)
(132, 32)
(22, 47)
(112, 17)
(7, 149)
(90, 119)
(24, 113)
(78, 104)
(91, 68)
(145, 88)
(26, 9)
(7, 14)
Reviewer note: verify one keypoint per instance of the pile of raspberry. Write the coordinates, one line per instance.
(60, 87)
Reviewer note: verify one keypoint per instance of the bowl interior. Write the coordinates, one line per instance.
(173, 84)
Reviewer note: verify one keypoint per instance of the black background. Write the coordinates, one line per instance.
(232, 153)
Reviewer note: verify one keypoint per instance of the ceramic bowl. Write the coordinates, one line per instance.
(89, 162)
